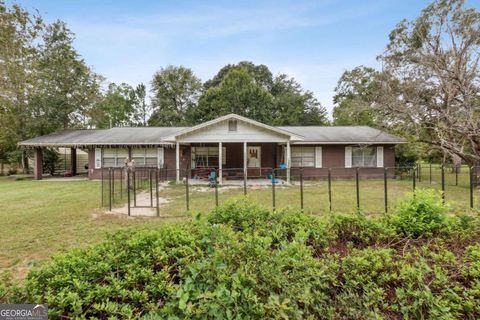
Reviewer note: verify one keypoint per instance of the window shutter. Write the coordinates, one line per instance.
(98, 158)
(379, 157)
(348, 157)
(224, 155)
(318, 157)
(160, 157)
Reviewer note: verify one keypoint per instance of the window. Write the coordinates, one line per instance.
(207, 156)
(364, 157)
(303, 157)
(147, 157)
(114, 157)
(232, 125)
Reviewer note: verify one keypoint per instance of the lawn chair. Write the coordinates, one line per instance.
(212, 179)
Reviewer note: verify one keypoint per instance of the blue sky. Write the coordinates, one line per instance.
(313, 41)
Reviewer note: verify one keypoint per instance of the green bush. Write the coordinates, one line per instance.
(420, 213)
(246, 262)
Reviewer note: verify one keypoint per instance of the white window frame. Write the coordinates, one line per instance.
(306, 154)
(372, 157)
(211, 153)
(145, 154)
(114, 154)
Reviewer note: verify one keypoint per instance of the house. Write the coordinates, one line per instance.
(234, 144)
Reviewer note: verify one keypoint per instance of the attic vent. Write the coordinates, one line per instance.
(232, 125)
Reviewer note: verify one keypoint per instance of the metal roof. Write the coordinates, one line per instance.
(103, 137)
(150, 136)
(342, 135)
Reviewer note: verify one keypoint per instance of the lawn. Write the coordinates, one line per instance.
(40, 218)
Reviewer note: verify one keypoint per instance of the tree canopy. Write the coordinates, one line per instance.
(429, 86)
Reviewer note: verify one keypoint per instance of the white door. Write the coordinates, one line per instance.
(254, 157)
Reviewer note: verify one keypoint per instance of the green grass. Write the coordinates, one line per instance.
(40, 218)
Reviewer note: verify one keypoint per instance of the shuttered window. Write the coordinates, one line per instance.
(364, 157)
(114, 157)
(303, 157)
(145, 157)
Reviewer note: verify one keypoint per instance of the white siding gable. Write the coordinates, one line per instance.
(219, 132)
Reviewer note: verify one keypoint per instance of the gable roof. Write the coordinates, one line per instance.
(156, 136)
(293, 136)
(344, 135)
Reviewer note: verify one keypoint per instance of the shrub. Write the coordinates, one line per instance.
(420, 213)
(245, 262)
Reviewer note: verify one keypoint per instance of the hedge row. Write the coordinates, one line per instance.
(245, 262)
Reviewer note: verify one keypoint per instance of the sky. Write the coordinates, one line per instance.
(312, 41)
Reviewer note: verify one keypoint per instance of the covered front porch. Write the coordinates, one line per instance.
(235, 162)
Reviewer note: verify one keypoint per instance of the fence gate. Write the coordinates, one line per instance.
(131, 191)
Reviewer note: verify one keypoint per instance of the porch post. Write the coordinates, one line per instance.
(38, 164)
(288, 161)
(245, 160)
(177, 161)
(73, 159)
(220, 165)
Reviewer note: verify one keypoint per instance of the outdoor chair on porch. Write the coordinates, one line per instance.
(212, 179)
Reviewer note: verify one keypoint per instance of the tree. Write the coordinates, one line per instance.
(116, 108)
(236, 93)
(293, 105)
(261, 74)
(175, 91)
(140, 105)
(356, 92)
(44, 84)
(251, 90)
(432, 81)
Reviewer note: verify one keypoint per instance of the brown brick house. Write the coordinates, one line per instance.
(233, 144)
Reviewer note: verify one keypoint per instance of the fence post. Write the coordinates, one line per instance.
(110, 188)
(113, 185)
(128, 190)
(151, 187)
(244, 183)
(121, 183)
(134, 183)
(101, 198)
(216, 188)
(357, 185)
(273, 189)
(187, 195)
(301, 188)
(414, 178)
(330, 189)
(430, 173)
(471, 187)
(456, 175)
(385, 188)
(443, 184)
(156, 192)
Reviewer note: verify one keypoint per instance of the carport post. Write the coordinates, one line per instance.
(128, 190)
(73, 159)
(38, 164)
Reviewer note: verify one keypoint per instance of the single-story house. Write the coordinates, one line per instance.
(232, 143)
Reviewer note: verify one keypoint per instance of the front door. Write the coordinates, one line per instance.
(254, 157)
